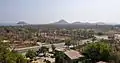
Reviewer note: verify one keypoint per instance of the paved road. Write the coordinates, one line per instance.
(22, 50)
(58, 45)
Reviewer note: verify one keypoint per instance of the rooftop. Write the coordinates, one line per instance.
(72, 54)
(61, 49)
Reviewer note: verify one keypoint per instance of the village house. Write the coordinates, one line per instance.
(69, 56)
(72, 56)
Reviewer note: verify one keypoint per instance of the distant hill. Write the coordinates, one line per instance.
(100, 23)
(8, 24)
(81, 23)
(22, 22)
(77, 23)
(87, 23)
(61, 22)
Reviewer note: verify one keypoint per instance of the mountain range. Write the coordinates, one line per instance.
(63, 22)
(22, 22)
(60, 22)
(13, 24)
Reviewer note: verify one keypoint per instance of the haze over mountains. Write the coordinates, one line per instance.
(62, 21)
(13, 24)
(21, 22)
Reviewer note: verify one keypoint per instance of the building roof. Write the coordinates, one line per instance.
(72, 54)
(61, 49)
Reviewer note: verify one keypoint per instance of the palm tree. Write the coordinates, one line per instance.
(59, 57)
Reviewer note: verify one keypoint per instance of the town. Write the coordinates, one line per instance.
(59, 45)
(59, 31)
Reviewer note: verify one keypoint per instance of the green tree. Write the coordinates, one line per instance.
(43, 50)
(98, 52)
(68, 42)
(7, 56)
(90, 33)
(59, 57)
(31, 54)
(100, 33)
(20, 59)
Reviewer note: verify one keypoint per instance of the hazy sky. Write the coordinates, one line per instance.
(47, 11)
